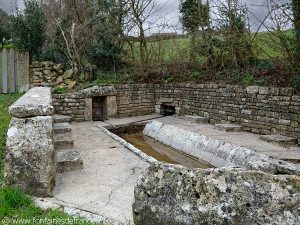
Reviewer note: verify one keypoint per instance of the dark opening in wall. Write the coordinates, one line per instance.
(99, 108)
(167, 109)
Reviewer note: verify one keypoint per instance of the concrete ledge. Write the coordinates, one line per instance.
(36, 102)
(216, 152)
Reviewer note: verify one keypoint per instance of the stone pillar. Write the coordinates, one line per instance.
(30, 154)
(111, 106)
(23, 81)
(88, 111)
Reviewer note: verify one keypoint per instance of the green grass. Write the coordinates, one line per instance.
(14, 205)
(5, 101)
(17, 208)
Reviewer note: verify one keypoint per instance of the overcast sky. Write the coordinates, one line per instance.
(167, 19)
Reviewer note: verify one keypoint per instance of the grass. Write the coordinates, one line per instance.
(15, 206)
(5, 101)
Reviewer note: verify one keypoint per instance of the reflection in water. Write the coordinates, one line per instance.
(162, 152)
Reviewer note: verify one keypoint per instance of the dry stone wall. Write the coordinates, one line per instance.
(71, 105)
(260, 110)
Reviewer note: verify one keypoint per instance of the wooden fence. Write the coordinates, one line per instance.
(8, 69)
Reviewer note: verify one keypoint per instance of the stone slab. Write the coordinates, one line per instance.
(36, 102)
(61, 119)
(280, 139)
(61, 128)
(29, 160)
(63, 140)
(197, 119)
(228, 127)
(171, 194)
(68, 160)
(98, 91)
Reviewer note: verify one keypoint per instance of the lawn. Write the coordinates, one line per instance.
(16, 207)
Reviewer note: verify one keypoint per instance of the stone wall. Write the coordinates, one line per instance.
(44, 74)
(170, 194)
(260, 110)
(135, 100)
(71, 105)
(29, 160)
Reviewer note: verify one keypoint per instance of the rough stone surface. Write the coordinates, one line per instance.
(61, 119)
(36, 102)
(98, 91)
(64, 140)
(197, 119)
(29, 161)
(68, 160)
(280, 139)
(61, 128)
(228, 127)
(216, 152)
(169, 194)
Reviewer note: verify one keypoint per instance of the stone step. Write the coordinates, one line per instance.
(197, 119)
(280, 139)
(63, 141)
(61, 118)
(229, 127)
(61, 128)
(68, 160)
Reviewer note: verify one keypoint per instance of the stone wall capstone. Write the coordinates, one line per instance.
(29, 158)
(170, 194)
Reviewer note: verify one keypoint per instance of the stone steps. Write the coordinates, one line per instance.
(61, 128)
(229, 127)
(280, 139)
(197, 119)
(64, 140)
(68, 160)
(61, 118)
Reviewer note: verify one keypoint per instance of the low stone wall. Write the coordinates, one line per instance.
(169, 194)
(260, 110)
(136, 100)
(71, 105)
(29, 160)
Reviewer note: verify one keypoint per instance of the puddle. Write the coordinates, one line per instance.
(157, 150)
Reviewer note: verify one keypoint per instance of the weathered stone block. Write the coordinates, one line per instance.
(169, 194)
(36, 102)
(29, 160)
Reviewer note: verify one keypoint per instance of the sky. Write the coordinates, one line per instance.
(167, 18)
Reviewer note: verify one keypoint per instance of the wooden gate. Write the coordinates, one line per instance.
(8, 69)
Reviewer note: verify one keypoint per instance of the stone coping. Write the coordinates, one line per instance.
(98, 91)
(36, 102)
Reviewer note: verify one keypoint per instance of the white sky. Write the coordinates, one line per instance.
(167, 19)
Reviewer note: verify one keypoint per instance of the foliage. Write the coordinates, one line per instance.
(60, 90)
(194, 15)
(4, 27)
(105, 50)
(5, 101)
(28, 28)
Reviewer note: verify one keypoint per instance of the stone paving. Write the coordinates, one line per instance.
(106, 183)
